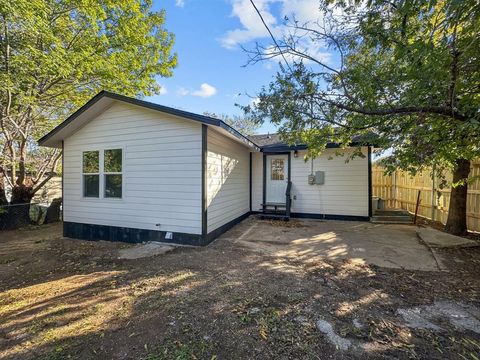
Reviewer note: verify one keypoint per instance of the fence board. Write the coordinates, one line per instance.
(400, 190)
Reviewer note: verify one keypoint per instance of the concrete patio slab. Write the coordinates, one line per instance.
(144, 250)
(392, 246)
(439, 239)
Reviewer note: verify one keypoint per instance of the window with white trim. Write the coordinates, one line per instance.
(91, 173)
(102, 169)
(112, 169)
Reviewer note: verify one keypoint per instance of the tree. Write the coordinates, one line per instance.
(407, 71)
(244, 124)
(55, 54)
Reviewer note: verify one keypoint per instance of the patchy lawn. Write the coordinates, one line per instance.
(63, 298)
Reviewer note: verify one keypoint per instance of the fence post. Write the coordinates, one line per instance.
(394, 189)
(433, 193)
(416, 206)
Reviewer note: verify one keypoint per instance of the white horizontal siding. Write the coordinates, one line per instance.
(345, 191)
(161, 171)
(257, 181)
(228, 180)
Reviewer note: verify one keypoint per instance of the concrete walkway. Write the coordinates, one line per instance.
(439, 239)
(393, 246)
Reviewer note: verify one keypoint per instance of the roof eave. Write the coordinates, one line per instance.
(282, 147)
(46, 140)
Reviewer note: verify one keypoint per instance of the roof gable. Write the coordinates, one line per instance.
(104, 99)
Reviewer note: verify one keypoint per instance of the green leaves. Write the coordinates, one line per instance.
(409, 71)
(68, 50)
(57, 54)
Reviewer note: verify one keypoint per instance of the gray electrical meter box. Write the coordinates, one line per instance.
(320, 177)
(317, 179)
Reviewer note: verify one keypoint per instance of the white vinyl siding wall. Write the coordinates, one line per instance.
(257, 181)
(228, 180)
(161, 171)
(345, 191)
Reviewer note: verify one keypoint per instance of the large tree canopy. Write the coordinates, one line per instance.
(408, 71)
(56, 54)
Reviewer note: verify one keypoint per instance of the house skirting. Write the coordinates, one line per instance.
(323, 216)
(330, 217)
(128, 235)
(94, 232)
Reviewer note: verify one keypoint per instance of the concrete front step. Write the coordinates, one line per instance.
(392, 222)
(391, 212)
(270, 216)
(392, 218)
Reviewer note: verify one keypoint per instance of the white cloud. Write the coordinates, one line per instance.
(205, 91)
(163, 90)
(304, 11)
(252, 26)
(180, 3)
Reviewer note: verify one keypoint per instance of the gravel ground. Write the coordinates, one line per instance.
(72, 299)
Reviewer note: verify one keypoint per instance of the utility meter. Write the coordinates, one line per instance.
(317, 179)
(320, 177)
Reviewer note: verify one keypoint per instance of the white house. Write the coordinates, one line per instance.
(136, 171)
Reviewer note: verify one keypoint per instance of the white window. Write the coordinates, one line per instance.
(102, 169)
(91, 173)
(112, 169)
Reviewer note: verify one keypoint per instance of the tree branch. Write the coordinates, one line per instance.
(50, 175)
(405, 110)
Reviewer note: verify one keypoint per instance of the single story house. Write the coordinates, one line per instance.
(137, 171)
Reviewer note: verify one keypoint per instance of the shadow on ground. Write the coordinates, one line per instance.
(65, 298)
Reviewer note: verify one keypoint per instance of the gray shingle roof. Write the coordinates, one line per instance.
(273, 142)
(266, 139)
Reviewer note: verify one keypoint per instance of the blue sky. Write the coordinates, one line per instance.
(208, 34)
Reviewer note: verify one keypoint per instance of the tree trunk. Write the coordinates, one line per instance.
(3, 194)
(457, 210)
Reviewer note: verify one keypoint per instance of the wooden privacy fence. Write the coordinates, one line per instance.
(400, 190)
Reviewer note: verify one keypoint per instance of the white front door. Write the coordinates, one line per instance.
(277, 178)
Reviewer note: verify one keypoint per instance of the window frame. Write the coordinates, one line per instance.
(101, 181)
(273, 169)
(98, 173)
(104, 174)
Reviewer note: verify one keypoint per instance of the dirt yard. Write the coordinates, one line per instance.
(72, 299)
